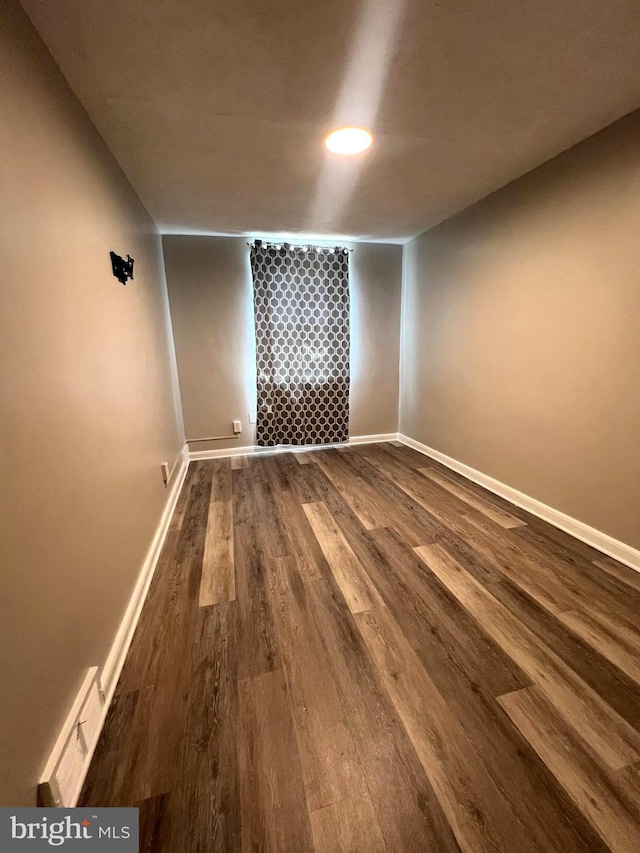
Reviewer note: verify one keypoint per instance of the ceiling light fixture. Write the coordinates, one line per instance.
(349, 140)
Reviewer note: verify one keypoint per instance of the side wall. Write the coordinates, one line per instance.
(210, 291)
(521, 334)
(88, 401)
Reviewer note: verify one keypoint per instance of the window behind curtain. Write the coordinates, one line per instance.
(301, 305)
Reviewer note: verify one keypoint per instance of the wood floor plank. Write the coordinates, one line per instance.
(363, 500)
(409, 813)
(592, 589)
(258, 649)
(506, 552)
(277, 470)
(142, 647)
(273, 535)
(629, 779)
(624, 574)
(309, 557)
(404, 454)
(616, 642)
(218, 582)
(239, 462)
(159, 714)
(360, 594)
(183, 501)
(504, 519)
(330, 766)
(479, 816)
(107, 779)
(204, 812)
(221, 480)
(611, 809)
(402, 513)
(273, 808)
(551, 540)
(479, 533)
(305, 482)
(535, 798)
(479, 491)
(350, 826)
(609, 682)
(617, 743)
(469, 670)
(318, 488)
(507, 555)
(152, 823)
(138, 661)
(606, 597)
(433, 620)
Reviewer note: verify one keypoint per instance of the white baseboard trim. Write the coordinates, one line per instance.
(113, 666)
(601, 541)
(222, 453)
(64, 774)
(110, 672)
(373, 439)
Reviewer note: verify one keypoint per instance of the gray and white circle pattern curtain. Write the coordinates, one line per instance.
(301, 305)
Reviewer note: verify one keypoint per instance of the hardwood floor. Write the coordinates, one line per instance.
(359, 650)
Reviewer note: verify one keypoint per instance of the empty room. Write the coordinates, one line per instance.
(320, 417)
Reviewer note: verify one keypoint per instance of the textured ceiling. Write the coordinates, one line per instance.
(216, 109)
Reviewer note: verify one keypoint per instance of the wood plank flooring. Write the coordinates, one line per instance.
(359, 651)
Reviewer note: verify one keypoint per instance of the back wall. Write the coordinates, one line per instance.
(210, 291)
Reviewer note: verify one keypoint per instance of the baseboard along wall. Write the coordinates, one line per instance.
(290, 448)
(113, 666)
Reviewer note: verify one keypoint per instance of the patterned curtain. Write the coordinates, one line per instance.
(301, 305)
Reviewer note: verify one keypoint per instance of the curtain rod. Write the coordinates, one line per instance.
(257, 243)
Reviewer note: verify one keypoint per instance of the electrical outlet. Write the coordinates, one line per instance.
(252, 418)
(237, 427)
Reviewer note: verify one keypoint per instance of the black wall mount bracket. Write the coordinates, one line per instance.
(123, 270)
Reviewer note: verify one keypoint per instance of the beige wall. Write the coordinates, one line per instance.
(210, 292)
(376, 295)
(88, 406)
(521, 334)
(212, 315)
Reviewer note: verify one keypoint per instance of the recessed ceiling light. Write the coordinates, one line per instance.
(349, 140)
